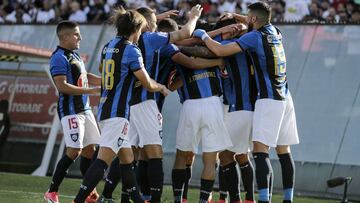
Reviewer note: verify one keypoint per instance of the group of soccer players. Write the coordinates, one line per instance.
(242, 59)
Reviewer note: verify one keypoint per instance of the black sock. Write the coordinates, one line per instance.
(84, 164)
(142, 177)
(92, 177)
(205, 190)
(112, 178)
(178, 177)
(247, 176)
(60, 173)
(187, 181)
(222, 185)
(263, 174)
(288, 176)
(156, 179)
(129, 182)
(232, 181)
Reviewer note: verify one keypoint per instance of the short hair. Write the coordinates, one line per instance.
(127, 22)
(262, 10)
(222, 23)
(203, 24)
(65, 25)
(168, 25)
(146, 12)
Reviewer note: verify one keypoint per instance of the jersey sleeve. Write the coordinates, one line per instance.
(169, 50)
(158, 39)
(135, 59)
(58, 65)
(248, 41)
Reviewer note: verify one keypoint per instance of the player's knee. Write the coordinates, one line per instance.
(88, 151)
(260, 147)
(283, 149)
(226, 157)
(153, 151)
(73, 153)
(242, 158)
(126, 156)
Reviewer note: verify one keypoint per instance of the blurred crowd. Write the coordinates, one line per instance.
(97, 11)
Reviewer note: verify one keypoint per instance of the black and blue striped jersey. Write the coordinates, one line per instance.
(120, 59)
(68, 63)
(268, 57)
(149, 44)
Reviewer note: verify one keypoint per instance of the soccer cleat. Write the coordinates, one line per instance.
(184, 201)
(93, 197)
(51, 197)
(249, 201)
(221, 201)
(102, 199)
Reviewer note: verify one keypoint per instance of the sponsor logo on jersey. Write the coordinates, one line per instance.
(110, 50)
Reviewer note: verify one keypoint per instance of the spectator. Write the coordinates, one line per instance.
(277, 14)
(295, 10)
(77, 14)
(314, 14)
(46, 14)
(18, 16)
(2, 15)
(97, 12)
(355, 16)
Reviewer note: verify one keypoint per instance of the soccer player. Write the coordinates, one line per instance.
(122, 62)
(79, 125)
(274, 123)
(201, 119)
(146, 119)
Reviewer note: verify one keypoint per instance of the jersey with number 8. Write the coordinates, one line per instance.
(119, 59)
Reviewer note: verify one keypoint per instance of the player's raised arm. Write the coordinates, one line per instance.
(189, 27)
(216, 47)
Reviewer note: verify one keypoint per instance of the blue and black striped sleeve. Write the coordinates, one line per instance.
(135, 59)
(248, 41)
(58, 65)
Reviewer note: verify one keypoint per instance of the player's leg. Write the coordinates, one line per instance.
(189, 162)
(230, 175)
(207, 176)
(263, 170)
(223, 192)
(142, 175)
(148, 121)
(110, 143)
(288, 136)
(129, 183)
(112, 179)
(247, 176)
(287, 171)
(178, 175)
(73, 128)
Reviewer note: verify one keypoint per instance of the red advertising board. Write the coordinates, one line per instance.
(34, 102)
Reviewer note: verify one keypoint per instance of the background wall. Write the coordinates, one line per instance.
(323, 73)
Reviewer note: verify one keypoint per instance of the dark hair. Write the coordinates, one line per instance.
(262, 10)
(146, 12)
(63, 25)
(127, 22)
(223, 23)
(203, 24)
(168, 25)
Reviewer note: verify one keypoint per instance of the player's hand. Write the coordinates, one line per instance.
(200, 33)
(167, 14)
(171, 78)
(94, 90)
(165, 91)
(226, 16)
(238, 18)
(221, 64)
(195, 12)
(230, 29)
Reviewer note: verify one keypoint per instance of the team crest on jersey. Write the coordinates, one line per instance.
(161, 134)
(74, 137)
(120, 141)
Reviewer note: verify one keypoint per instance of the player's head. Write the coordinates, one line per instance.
(167, 25)
(150, 17)
(69, 35)
(203, 24)
(222, 23)
(128, 23)
(259, 14)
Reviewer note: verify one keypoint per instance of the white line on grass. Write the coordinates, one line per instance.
(32, 193)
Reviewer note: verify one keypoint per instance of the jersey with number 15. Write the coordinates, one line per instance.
(119, 59)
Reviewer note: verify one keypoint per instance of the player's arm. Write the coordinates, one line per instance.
(217, 48)
(167, 14)
(239, 18)
(94, 79)
(176, 84)
(150, 84)
(195, 63)
(197, 51)
(189, 27)
(229, 28)
(64, 87)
